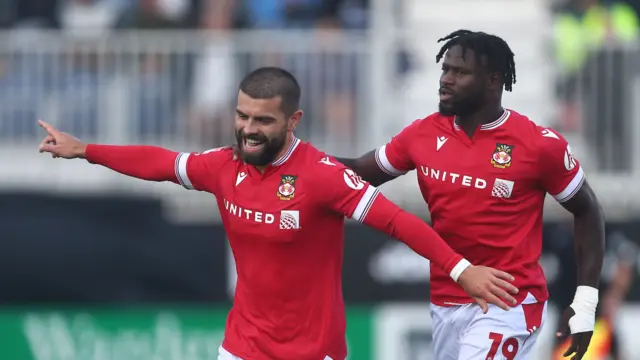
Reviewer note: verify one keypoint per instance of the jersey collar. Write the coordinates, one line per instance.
(492, 125)
(282, 159)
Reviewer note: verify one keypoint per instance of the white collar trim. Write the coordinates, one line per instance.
(492, 125)
(287, 155)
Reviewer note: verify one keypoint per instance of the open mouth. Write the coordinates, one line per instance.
(252, 145)
(445, 94)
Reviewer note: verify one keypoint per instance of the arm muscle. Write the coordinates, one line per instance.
(588, 234)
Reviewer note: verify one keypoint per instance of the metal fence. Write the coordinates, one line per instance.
(599, 100)
(178, 89)
(175, 89)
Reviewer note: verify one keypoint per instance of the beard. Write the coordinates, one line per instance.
(461, 107)
(446, 109)
(270, 147)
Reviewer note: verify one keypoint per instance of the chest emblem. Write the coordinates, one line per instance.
(502, 156)
(287, 188)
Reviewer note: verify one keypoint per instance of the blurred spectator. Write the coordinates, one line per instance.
(619, 266)
(192, 89)
(329, 76)
(596, 71)
(353, 14)
(36, 13)
(215, 78)
(584, 25)
(330, 79)
(278, 14)
(155, 14)
(80, 93)
(80, 87)
(90, 17)
(25, 83)
(157, 82)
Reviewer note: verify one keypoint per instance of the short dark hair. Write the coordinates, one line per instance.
(500, 58)
(270, 82)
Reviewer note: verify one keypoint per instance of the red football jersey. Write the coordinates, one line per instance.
(285, 227)
(486, 194)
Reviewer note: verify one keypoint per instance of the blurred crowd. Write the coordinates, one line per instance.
(94, 15)
(170, 87)
(184, 87)
(596, 48)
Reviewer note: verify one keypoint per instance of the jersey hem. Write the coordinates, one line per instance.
(240, 354)
(244, 356)
(459, 301)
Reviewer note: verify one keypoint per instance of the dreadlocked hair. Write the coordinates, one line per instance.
(499, 55)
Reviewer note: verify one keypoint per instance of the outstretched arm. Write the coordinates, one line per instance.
(367, 167)
(484, 284)
(150, 163)
(344, 192)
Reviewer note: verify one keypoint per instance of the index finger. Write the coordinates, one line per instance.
(48, 127)
(503, 275)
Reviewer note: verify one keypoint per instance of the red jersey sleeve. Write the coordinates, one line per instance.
(153, 163)
(394, 157)
(560, 172)
(342, 190)
(199, 171)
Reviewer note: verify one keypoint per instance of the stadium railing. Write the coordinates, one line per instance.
(177, 89)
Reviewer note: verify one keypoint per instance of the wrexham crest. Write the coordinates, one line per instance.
(287, 188)
(502, 156)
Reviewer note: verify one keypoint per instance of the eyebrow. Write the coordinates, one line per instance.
(263, 117)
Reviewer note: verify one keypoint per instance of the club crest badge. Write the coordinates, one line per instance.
(287, 187)
(502, 156)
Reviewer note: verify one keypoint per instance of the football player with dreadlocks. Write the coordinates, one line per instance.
(484, 170)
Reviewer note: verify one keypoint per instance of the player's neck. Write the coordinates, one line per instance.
(281, 153)
(470, 123)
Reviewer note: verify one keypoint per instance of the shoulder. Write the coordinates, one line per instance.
(542, 138)
(324, 169)
(428, 122)
(320, 163)
(222, 152)
(551, 142)
(419, 127)
(552, 148)
(217, 156)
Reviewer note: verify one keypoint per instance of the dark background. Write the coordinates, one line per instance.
(110, 250)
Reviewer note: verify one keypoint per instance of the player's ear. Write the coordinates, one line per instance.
(294, 120)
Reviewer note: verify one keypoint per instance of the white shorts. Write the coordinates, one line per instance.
(225, 355)
(463, 332)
